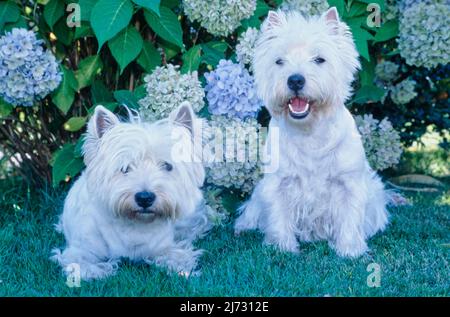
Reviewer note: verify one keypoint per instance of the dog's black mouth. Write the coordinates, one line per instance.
(299, 107)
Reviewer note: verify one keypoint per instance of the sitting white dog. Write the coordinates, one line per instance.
(135, 199)
(324, 187)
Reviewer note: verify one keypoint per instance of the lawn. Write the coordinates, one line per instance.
(412, 254)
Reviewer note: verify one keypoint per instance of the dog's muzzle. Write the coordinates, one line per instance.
(299, 107)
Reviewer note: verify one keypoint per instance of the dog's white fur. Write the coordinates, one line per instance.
(102, 222)
(324, 187)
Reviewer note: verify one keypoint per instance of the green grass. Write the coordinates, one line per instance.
(413, 259)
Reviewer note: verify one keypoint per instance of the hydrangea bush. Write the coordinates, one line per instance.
(424, 38)
(219, 17)
(306, 7)
(403, 92)
(226, 167)
(28, 72)
(381, 141)
(158, 53)
(246, 46)
(166, 88)
(231, 91)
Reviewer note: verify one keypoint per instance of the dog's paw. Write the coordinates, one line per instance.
(287, 245)
(351, 249)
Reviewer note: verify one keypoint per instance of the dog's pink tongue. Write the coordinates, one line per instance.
(299, 104)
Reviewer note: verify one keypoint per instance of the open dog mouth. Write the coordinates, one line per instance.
(299, 107)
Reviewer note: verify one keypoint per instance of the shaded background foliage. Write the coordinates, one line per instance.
(105, 59)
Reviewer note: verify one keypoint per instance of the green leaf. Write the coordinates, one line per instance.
(357, 9)
(361, 36)
(126, 46)
(252, 22)
(369, 94)
(88, 68)
(149, 58)
(5, 108)
(9, 12)
(340, 6)
(20, 23)
(53, 11)
(367, 74)
(63, 33)
(192, 59)
(84, 30)
(127, 98)
(140, 92)
(65, 164)
(74, 124)
(213, 52)
(149, 4)
(86, 8)
(166, 25)
(261, 9)
(65, 94)
(109, 17)
(100, 93)
(387, 31)
(111, 106)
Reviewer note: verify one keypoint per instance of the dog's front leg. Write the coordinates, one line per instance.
(279, 227)
(179, 258)
(347, 204)
(76, 260)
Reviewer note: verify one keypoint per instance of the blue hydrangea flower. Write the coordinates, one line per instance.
(28, 72)
(230, 91)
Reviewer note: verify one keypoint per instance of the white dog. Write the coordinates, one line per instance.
(324, 187)
(135, 199)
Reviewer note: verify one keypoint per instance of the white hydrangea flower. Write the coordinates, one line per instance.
(229, 169)
(381, 142)
(386, 71)
(403, 92)
(166, 89)
(306, 7)
(219, 17)
(246, 46)
(424, 38)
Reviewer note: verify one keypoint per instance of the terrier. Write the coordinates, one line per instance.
(136, 199)
(324, 188)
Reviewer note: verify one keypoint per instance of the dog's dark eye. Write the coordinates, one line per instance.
(319, 60)
(279, 62)
(167, 166)
(125, 169)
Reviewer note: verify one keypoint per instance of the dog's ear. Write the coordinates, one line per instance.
(101, 121)
(331, 17)
(272, 21)
(184, 116)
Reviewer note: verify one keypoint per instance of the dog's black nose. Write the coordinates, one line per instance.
(144, 199)
(296, 82)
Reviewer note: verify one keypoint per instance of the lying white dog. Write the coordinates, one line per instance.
(135, 199)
